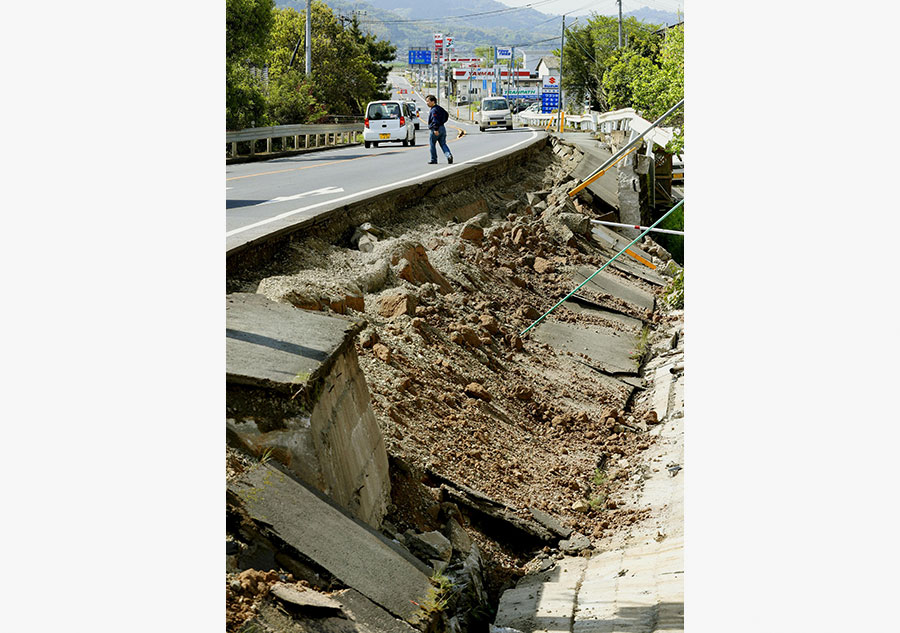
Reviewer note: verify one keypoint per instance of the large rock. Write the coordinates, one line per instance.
(411, 263)
(429, 545)
(459, 538)
(576, 222)
(397, 304)
(575, 543)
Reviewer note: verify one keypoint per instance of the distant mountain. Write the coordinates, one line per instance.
(412, 23)
(652, 16)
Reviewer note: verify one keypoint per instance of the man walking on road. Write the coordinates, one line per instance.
(436, 119)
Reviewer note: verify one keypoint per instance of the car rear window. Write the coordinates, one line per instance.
(383, 111)
(495, 104)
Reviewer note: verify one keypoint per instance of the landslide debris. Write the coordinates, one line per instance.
(459, 393)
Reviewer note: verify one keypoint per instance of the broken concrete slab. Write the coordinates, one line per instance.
(307, 525)
(551, 523)
(294, 387)
(607, 350)
(429, 545)
(306, 599)
(373, 618)
(604, 283)
(277, 345)
(607, 186)
(517, 607)
(582, 305)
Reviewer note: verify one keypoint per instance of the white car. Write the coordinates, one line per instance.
(494, 112)
(388, 121)
(413, 110)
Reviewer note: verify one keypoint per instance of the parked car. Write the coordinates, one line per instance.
(522, 106)
(494, 112)
(413, 110)
(534, 107)
(388, 121)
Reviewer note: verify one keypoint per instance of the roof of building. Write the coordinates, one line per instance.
(550, 61)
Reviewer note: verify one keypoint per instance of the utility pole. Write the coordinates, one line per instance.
(515, 70)
(620, 22)
(562, 45)
(509, 71)
(308, 37)
(496, 75)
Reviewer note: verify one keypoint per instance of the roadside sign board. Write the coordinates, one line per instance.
(504, 52)
(549, 101)
(524, 92)
(419, 57)
(551, 80)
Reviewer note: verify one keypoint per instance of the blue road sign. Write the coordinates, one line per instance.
(549, 100)
(419, 57)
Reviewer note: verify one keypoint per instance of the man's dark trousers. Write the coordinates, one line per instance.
(440, 137)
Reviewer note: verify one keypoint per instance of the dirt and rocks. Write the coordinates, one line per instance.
(460, 394)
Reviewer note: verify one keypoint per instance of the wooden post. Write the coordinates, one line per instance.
(233, 149)
(269, 145)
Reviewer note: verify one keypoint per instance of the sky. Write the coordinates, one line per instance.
(603, 7)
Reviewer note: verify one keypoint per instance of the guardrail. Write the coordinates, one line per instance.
(625, 120)
(338, 134)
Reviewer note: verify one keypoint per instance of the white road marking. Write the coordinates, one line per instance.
(288, 214)
(317, 192)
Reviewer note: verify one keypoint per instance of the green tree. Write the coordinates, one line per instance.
(626, 68)
(654, 88)
(380, 53)
(592, 48)
(291, 100)
(341, 66)
(247, 26)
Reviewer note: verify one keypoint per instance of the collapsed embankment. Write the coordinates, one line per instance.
(523, 441)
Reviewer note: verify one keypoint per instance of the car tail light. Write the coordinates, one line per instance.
(402, 121)
(367, 122)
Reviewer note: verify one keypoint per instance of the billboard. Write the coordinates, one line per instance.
(504, 52)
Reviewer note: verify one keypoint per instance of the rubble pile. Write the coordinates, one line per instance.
(463, 398)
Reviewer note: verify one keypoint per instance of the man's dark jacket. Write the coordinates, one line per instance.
(437, 117)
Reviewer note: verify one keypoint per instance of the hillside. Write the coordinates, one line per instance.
(409, 23)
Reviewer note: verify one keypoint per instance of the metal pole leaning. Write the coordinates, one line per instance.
(615, 157)
(612, 259)
(635, 226)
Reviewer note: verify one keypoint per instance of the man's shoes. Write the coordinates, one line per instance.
(450, 160)
(431, 162)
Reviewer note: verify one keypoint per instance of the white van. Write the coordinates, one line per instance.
(388, 121)
(494, 112)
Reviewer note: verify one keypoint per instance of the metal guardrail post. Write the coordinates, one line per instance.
(615, 157)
